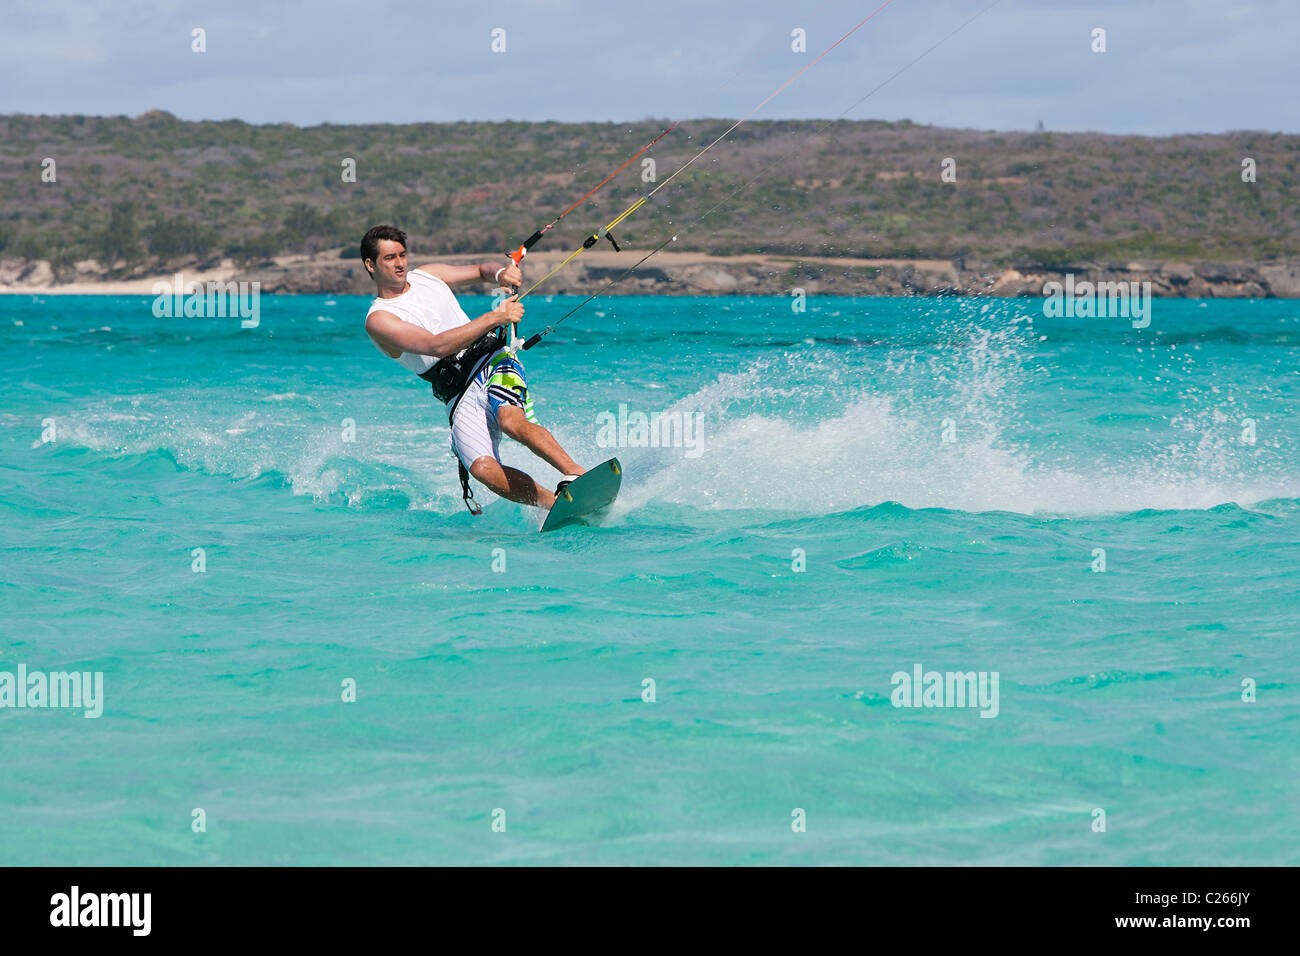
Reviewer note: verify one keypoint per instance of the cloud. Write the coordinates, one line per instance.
(1170, 65)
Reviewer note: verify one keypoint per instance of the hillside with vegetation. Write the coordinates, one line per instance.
(143, 195)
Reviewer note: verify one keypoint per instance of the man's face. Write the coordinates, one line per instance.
(390, 264)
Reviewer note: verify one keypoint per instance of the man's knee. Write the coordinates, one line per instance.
(507, 482)
(488, 471)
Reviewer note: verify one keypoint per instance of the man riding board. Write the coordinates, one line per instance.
(416, 320)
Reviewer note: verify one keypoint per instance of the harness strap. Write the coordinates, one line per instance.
(466, 491)
(450, 376)
(466, 363)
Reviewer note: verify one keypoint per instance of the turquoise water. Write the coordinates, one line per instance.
(821, 435)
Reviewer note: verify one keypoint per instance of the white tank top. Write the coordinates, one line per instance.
(428, 303)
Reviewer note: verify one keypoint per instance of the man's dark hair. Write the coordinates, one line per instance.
(370, 241)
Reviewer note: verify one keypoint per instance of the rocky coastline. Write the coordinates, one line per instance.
(692, 274)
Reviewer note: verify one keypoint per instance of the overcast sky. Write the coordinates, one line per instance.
(1170, 66)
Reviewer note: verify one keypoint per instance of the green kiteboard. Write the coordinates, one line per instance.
(586, 497)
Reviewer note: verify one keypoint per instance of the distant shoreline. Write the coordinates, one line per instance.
(689, 273)
(926, 210)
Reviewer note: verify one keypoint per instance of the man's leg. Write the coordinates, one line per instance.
(536, 439)
(474, 435)
(507, 395)
(511, 482)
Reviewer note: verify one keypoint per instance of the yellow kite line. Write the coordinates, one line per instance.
(599, 234)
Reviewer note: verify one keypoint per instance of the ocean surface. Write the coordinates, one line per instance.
(1105, 517)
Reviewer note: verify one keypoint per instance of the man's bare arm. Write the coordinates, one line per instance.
(392, 335)
(459, 275)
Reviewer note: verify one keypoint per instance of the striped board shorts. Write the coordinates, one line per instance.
(475, 431)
